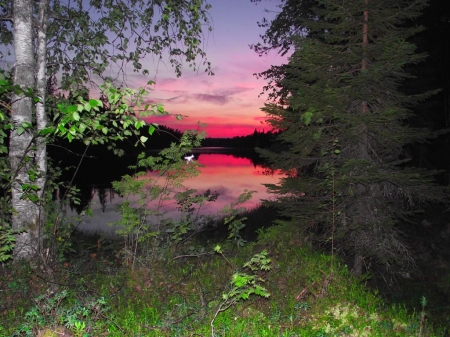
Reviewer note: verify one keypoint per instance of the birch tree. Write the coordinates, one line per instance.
(21, 108)
(82, 43)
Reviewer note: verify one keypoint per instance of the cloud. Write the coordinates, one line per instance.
(165, 81)
(234, 90)
(182, 97)
(213, 99)
(192, 98)
(260, 118)
(175, 98)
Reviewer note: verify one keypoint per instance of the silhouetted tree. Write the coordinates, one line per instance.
(343, 119)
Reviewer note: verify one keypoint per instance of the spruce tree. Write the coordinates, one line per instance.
(344, 123)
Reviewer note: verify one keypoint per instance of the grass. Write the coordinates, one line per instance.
(170, 293)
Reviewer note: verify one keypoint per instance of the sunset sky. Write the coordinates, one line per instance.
(227, 102)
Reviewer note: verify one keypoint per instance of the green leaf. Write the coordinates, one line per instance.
(61, 128)
(306, 117)
(76, 116)
(47, 131)
(72, 108)
(73, 131)
(87, 106)
(151, 129)
(33, 197)
(82, 127)
(94, 103)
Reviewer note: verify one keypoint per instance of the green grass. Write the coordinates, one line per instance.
(169, 295)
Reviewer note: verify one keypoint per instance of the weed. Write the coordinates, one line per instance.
(243, 285)
(52, 309)
(423, 304)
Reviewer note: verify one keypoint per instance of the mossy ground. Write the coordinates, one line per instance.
(168, 293)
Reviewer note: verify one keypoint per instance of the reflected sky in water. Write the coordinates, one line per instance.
(225, 174)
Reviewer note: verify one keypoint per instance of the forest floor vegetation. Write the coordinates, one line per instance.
(286, 289)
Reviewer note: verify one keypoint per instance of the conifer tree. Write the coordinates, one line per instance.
(345, 127)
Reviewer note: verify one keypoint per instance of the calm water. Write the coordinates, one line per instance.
(223, 173)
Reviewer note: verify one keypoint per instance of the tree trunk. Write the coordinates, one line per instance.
(25, 216)
(357, 266)
(363, 146)
(41, 116)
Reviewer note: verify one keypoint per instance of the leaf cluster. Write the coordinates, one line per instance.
(85, 39)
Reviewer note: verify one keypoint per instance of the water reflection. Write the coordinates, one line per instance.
(225, 174)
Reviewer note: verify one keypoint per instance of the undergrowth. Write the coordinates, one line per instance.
(275, 286)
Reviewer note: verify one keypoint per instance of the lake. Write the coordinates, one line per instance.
(224, 172)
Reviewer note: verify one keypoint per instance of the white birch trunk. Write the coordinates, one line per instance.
(25, 214)
(41, 116)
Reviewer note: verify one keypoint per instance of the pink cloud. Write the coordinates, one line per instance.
(213, 99)
(260, 118)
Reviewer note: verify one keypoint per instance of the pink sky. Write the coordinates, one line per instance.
(227, 102)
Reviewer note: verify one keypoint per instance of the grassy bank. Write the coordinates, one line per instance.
(201, 292)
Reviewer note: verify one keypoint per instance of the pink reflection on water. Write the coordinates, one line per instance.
(229, 176)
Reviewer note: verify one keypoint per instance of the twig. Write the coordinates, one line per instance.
(109, 319)
(192, 255)
(304, 291)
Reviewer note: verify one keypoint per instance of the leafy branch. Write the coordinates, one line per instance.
(243, 285)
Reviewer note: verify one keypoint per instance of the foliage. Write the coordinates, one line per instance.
(7, 239)
(58, 308)
(179, 297)
(147, 219)
(142, 212)
(80, 43)
(243, 285)
(288, 22)
(234, 222)
(343, 122)
(118, 115)
(94, 122)
(423, 303)
(92, 38)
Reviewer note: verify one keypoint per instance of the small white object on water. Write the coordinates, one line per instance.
(189, 158)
